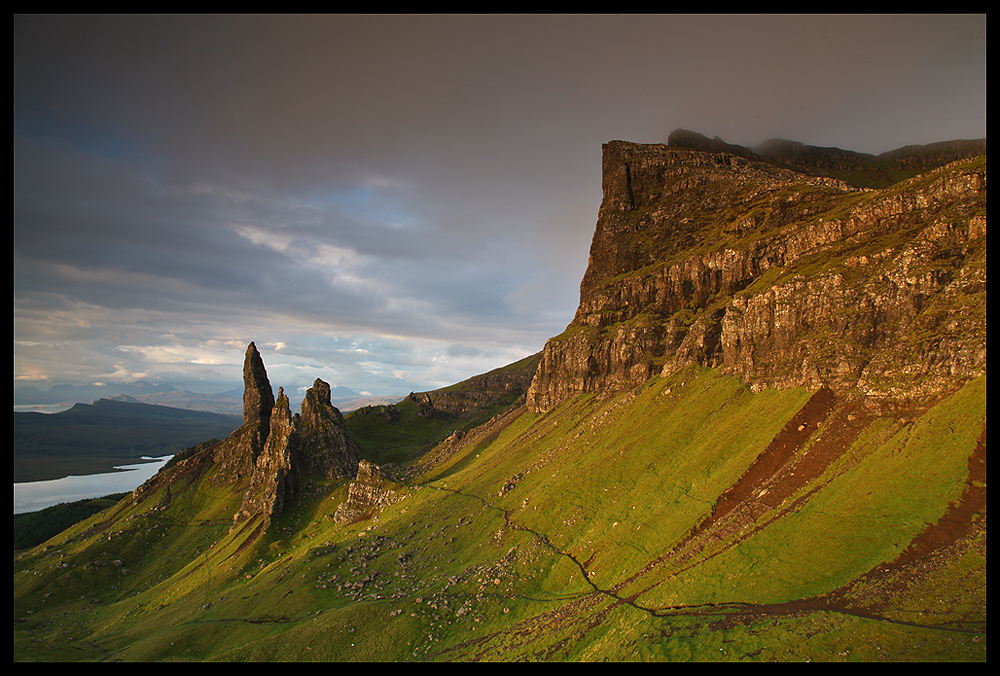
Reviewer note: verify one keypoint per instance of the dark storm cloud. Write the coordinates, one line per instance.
(397, 198)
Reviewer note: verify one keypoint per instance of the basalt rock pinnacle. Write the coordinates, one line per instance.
(237, 454)
(258, 399)
(301, 449)
(278, 454)
(726, 259)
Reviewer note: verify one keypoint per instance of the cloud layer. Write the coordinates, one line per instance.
(392, 202)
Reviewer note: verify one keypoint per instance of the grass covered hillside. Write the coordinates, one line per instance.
(685, 519)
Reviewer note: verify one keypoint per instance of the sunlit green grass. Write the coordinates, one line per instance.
(461, 569)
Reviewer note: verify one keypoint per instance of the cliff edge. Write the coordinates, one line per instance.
(702, 255)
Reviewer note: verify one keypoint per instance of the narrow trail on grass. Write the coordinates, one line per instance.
(779, 473)
(829, 428)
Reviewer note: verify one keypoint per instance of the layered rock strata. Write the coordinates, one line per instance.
(370, 491)
(780, 278)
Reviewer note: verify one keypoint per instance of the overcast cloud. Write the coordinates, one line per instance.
(392, 203)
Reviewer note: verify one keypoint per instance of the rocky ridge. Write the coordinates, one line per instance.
(501, 386)
(727, 260)
(274, 455)
(299, 449)
(861, 170)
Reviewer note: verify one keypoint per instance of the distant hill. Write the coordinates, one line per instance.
(66, 394)
(354, 403)
(229, 402)
(93, 438)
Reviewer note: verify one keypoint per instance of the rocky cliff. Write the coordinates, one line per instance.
(710, 255)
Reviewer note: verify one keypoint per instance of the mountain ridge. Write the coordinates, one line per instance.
(862, 170)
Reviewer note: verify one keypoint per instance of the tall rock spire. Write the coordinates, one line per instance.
(273, 482)
(298, 451)
(237, 455)
(258, 399)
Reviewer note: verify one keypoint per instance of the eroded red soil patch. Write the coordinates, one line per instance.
(777, 454)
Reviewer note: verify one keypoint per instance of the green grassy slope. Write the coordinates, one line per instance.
(404, 431)
(689, 519)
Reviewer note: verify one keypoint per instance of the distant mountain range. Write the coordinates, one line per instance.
(94, 438)
(29, 395)
(229, 402)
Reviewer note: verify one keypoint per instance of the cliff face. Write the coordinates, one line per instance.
(782, 278)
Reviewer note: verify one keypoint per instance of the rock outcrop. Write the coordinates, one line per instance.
(274, 453)
(274, 481)
(300, 449)
(781, 278)
(370, 491)
(323, 448)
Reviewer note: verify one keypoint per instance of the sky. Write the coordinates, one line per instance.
(393, 203)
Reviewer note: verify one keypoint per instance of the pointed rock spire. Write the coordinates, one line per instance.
(258, 399)
(273, 482)
(237, 454)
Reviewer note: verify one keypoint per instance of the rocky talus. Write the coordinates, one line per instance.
(779, 277)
